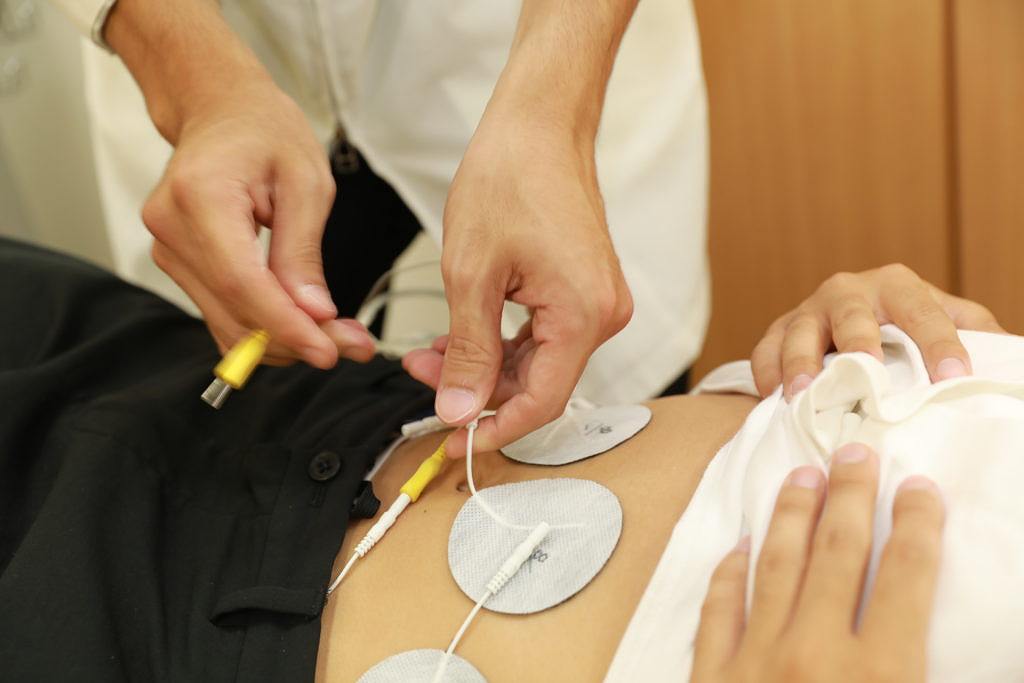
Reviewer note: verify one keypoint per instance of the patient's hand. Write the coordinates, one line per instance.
(810, 574)
(847, 310)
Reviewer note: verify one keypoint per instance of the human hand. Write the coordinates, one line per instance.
(244, 157)
(525, 222)
(847, 310)
(242, 161)
(810, 574)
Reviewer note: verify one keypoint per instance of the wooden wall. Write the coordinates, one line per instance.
(852, 133)
(989, 82)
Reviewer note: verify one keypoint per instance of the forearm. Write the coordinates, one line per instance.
(182, 54)
(561, 58)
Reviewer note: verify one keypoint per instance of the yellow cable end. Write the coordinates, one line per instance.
(426, 472)
(238, 363)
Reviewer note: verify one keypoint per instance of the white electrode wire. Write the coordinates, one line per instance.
(378, 285)
(341, 575)
(442, 667)
(512, 564)
(376, 532)
(470, 430)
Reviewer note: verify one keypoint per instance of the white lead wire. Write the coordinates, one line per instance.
(341, 576)
(470, 430)
(443, 666)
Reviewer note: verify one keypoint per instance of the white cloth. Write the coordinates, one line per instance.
(410, 81)
(966, 434)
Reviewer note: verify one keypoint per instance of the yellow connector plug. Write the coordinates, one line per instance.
(426, 472)
(234, 368)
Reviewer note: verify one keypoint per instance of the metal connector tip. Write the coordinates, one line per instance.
(217, 393)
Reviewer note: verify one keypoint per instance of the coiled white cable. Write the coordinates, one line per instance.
(507, 570)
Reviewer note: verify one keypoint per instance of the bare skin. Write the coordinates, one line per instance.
(402, 595)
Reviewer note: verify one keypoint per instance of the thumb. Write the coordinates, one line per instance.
(302, 201)
(473, 356)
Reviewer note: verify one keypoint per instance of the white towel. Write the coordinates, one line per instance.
(966, 434)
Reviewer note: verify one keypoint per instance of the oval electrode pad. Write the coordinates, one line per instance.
(582, 431)
(585, 519)
(419, 666)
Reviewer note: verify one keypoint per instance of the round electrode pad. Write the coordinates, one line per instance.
(565, 561)
(581, 432)
(419, 666)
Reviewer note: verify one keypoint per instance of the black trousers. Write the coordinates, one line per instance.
(143, 535)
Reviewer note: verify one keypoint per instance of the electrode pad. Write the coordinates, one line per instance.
(582, 431)
(419, 666)
(585, 519)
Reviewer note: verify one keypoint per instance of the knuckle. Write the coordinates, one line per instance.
(838, 282)
(897, 271)
(845, 541)
(160, 256)
(156, 216)
(859, 342)
(311, 175)
(851, 312)
(922, 313)
(306, 253)
(464, 354)
(914, 550)
(803, 321)
(979, 312)
(183, 181)
(458, 275)
(778, 560)
(728, 578)
(794, 503)
(612, 306)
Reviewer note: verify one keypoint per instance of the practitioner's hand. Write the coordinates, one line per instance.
(244, 157)
(846, 312)
(524, 222)
(810, 575)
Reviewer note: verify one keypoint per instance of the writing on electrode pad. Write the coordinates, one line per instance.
(596, 428)
(538, 555)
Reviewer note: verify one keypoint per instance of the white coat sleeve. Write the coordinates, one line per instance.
(89, 16)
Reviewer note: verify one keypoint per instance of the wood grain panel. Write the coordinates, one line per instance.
(989, 40)
(829, 151)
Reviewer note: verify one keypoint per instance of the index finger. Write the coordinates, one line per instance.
(553, 369)
(241, 280)
(913, 308)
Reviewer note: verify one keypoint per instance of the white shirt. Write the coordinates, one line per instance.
(965, 434)
(409, 81)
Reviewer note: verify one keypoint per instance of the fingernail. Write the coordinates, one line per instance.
(799, 383)
(918, 483)
(454, 403)
(805, 478)
(318, 296)
(950, 368)
(744, 545)
(850, 453)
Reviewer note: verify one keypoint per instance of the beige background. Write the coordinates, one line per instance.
(852, 133)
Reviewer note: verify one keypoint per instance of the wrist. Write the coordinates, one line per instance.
(183, 55)
(543, 102)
